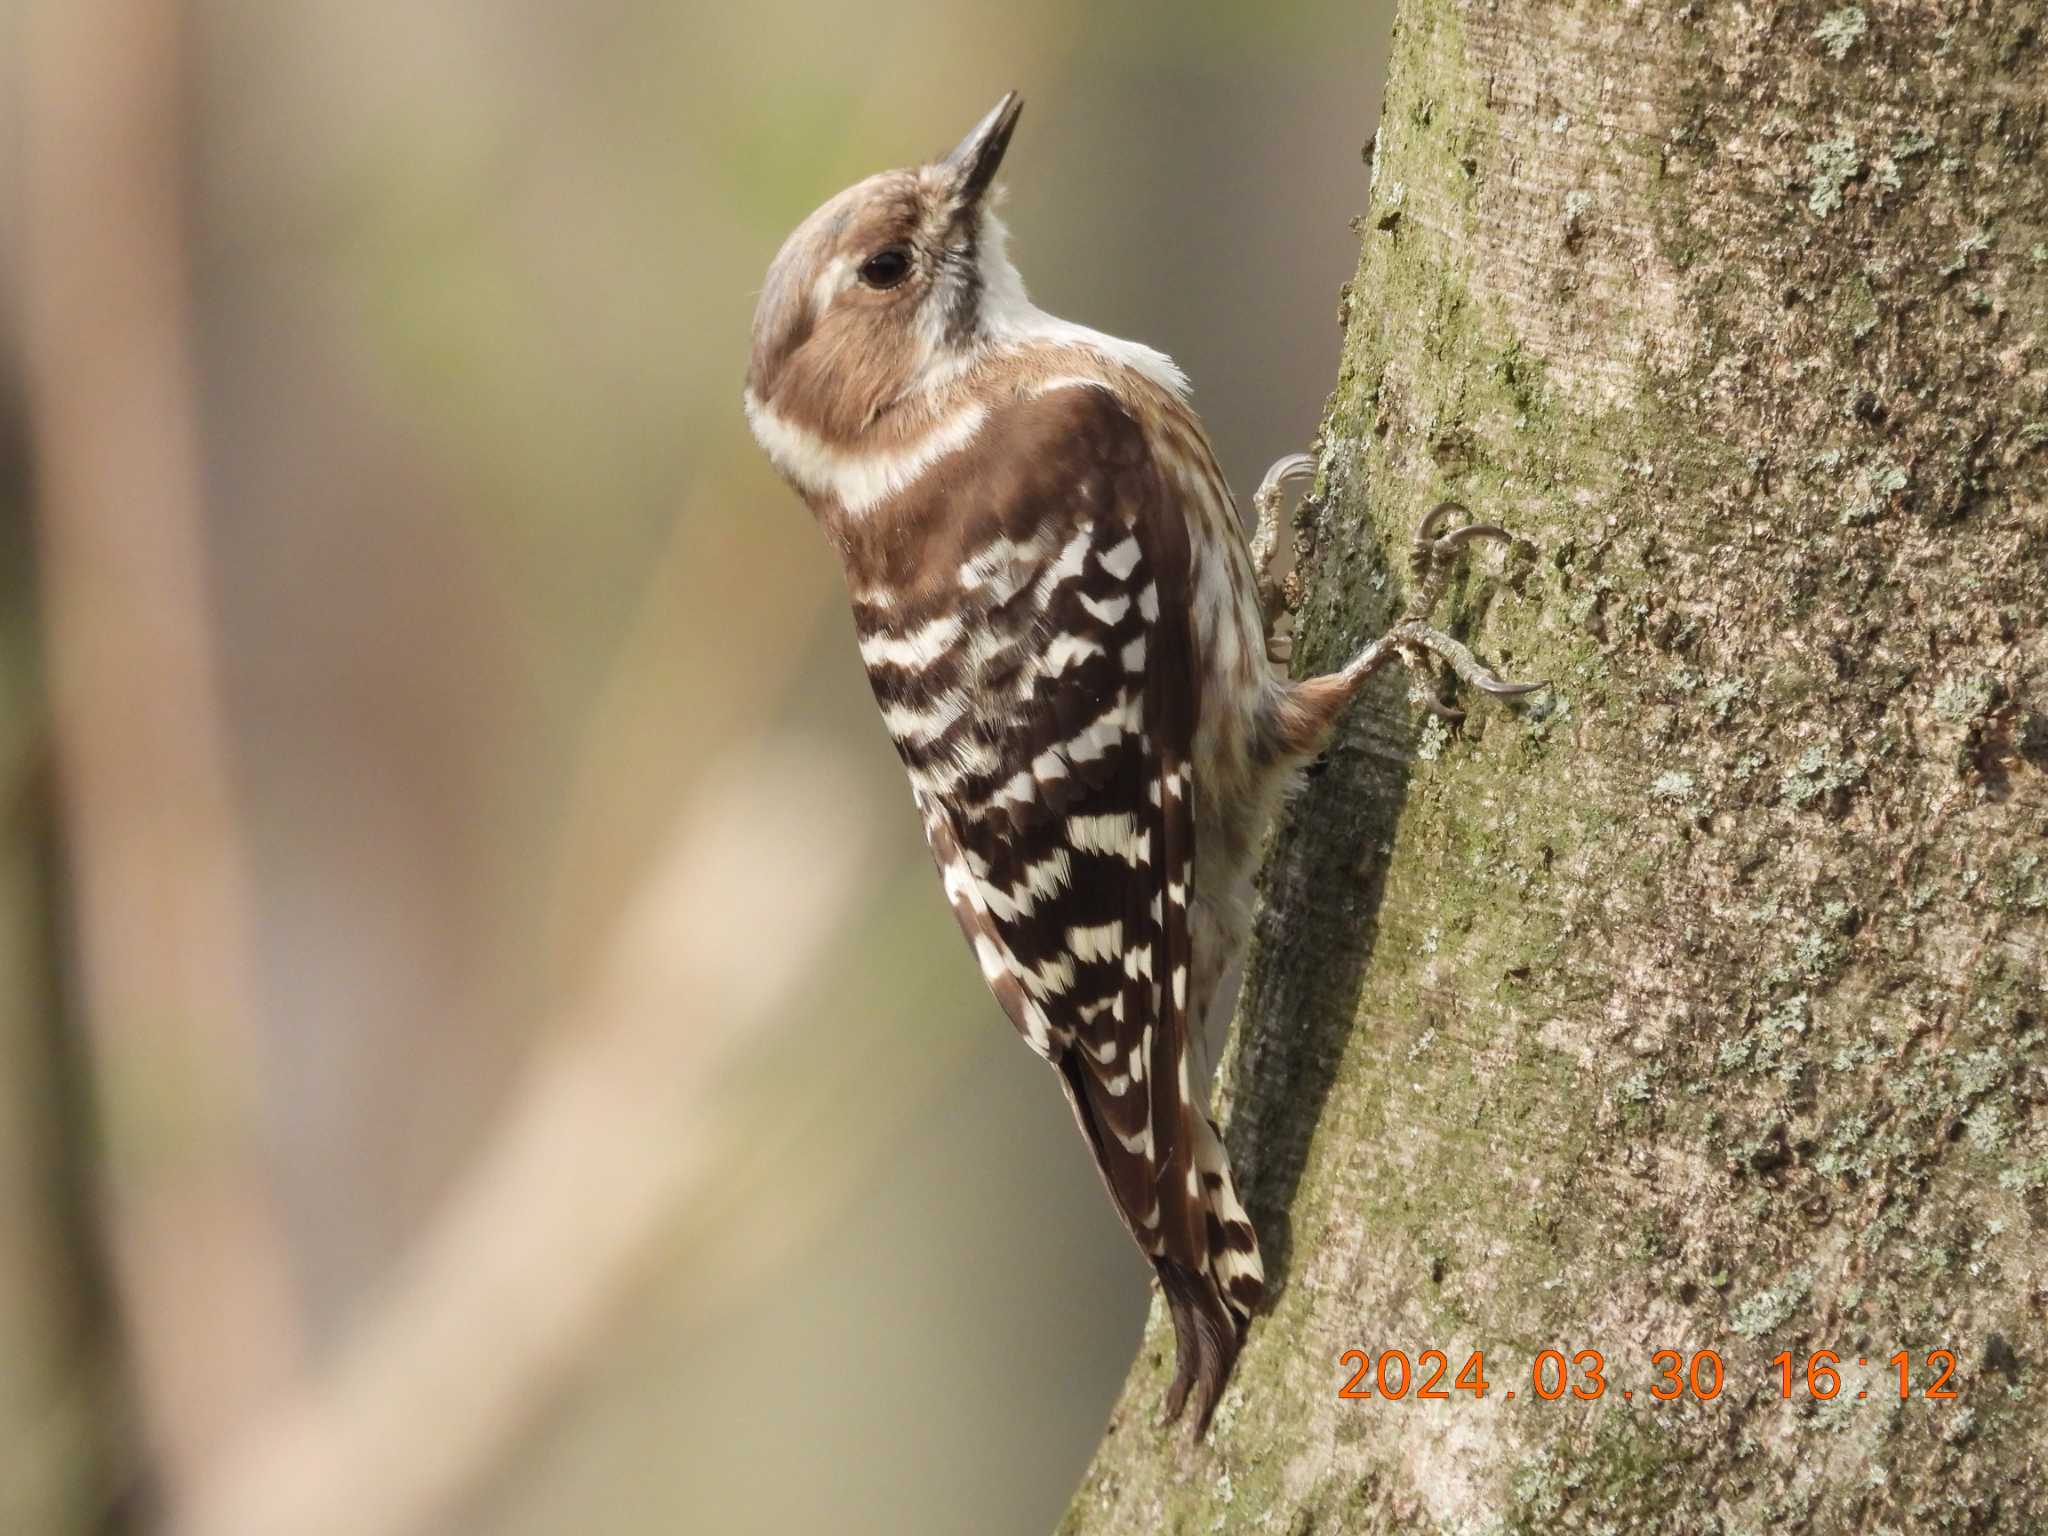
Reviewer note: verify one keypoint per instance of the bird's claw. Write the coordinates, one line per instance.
(1268, 548)
(1266, 503)
(1431, 559)
(1288, 467)
(1432, 553)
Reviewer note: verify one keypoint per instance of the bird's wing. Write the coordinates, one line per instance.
(1044, 697)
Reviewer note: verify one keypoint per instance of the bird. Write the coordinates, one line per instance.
(1061, 617)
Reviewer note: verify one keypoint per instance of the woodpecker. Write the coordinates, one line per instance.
(1063, 623)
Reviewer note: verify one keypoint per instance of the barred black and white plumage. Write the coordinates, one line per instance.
(1059, 615)
(1030, 645)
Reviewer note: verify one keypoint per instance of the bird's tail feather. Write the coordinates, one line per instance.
(1206, 1339)
(1211, 1307)
(1233, 1246)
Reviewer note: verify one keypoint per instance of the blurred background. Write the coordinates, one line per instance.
(482, 1047)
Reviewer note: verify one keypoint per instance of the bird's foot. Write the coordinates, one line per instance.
(1269, 549)
(1433, 557)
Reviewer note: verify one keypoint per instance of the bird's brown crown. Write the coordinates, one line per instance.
(877, 293)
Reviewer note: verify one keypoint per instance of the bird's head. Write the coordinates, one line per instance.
(883, 292)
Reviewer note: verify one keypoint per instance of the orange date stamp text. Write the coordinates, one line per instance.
(1668, 1376)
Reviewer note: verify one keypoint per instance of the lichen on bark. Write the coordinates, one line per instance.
(1699, 1005)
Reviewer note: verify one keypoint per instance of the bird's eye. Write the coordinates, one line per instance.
(886, 268)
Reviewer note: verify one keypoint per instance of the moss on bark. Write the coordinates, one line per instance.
(1700, 1005)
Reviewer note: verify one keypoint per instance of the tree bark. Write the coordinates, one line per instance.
(1699, 1005)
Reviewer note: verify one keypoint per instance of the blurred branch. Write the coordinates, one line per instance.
(58, 1460)
(613, 1136)
(160, 922)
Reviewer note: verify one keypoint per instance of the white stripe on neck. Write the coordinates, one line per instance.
(1010, 319)
(858, 481)
(1010, 323)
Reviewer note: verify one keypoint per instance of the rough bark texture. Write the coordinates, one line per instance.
(1700, 1006)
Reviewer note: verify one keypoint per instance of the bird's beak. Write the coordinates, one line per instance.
(975, 159)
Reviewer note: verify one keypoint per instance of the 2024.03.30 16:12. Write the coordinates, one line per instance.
(1584, 1375)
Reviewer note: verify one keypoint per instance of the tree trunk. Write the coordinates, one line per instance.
(1698, 1006)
